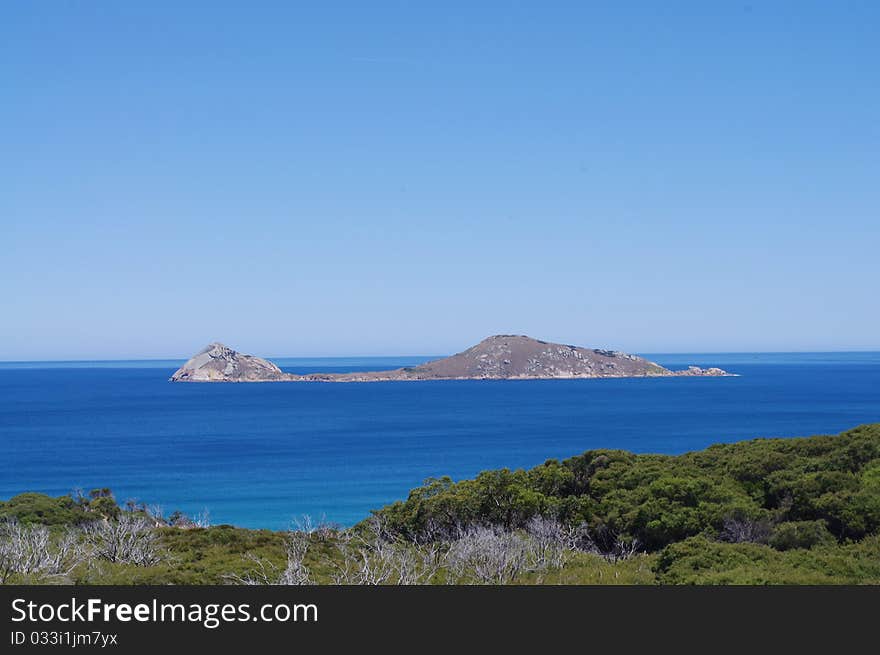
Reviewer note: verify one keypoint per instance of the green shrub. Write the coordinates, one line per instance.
(800, 534)
(43, 509)
(104, 507)
(660, 500)
(701, 561)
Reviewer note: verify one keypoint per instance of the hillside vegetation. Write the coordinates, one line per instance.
(787, 511)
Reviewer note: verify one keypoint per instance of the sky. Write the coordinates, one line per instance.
(396, 178)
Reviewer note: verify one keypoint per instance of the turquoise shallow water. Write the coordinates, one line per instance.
(259, 455)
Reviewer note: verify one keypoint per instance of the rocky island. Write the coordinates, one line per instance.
(499, 357)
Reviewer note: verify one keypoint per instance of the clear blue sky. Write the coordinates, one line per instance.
(407, 178)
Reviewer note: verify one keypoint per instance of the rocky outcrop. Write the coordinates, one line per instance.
(219, 363)
(500, 357)
(696, 370)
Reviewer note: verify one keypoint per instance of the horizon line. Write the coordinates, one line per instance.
(387, 356)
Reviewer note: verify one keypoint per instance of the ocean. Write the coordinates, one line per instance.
(261, 455)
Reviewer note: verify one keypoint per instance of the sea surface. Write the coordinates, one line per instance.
(260, 455)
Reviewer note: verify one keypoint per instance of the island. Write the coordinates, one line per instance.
(499, 357)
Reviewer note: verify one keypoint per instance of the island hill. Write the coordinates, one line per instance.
(500, 357)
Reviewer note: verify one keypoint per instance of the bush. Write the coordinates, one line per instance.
(731, 491)
(42, 509)
(701, 561)
(800, 534)
(105, 507)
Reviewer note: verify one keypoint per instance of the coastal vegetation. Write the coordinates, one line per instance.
(765, 511)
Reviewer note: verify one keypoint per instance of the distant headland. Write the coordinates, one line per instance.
(499, 357)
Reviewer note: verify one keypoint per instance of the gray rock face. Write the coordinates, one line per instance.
(219, 363)
(500, 357)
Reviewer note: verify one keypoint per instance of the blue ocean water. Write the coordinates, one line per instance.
(259, 455)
